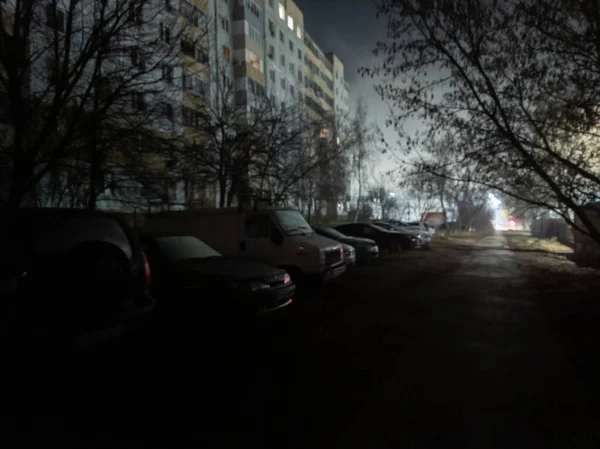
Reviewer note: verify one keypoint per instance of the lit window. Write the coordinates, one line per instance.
(337, 139)
(299, 32)
(324, 133)
(291, 23)
(281, 12)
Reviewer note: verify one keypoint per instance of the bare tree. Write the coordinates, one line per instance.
(362, 151)
(515, 81)
(90, 85)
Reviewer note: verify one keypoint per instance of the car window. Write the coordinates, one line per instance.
(257, 226)
(292, 222)
(178, 248)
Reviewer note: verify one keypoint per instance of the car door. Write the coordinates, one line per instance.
(369, 232)
(258, 244)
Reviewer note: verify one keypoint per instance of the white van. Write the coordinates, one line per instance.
(279, 237)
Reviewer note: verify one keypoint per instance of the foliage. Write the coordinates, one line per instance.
(514, 84)
(83, 80)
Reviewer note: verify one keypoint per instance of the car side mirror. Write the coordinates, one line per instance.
(276, 236)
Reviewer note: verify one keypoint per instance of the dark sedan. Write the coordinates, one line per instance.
(189, 275)
(390, 240)
(366, 249)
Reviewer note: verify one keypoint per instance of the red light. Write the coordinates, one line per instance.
(512, 222)
(147, 273)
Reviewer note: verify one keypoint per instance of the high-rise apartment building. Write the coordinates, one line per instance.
(219, 51)
(284, 43)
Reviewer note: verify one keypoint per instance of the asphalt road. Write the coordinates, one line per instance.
(450, 355)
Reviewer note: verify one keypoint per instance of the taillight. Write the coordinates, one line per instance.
(147, 274)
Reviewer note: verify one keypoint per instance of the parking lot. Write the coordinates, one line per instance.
(424, 349)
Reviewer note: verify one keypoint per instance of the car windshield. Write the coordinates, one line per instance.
(334, 234)
(378, 227)
(292, 222)
(180, 248)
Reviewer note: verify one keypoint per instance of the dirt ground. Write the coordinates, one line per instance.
(567, 293)
(465, 345)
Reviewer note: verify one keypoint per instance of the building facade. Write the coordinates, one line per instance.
(192, 53)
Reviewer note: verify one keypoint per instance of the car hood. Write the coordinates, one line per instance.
(230, 268)
(316, 240)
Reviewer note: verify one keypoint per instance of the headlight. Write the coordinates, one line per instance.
(246, 287)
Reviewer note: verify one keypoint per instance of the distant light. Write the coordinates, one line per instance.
(494, 202)
(392, 194)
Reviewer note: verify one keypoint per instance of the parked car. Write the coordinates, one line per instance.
(422, 227)
(191, 277)
(366, 249)
(279, 237)
(390, 240)
(71, 276)
(423, 239)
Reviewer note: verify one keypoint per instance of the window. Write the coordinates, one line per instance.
(253, 7)
(187, 48)
(169, 5)
(272, 75)
(202, 55)
(255, 34)
(272, 3)
(283, 83)
(226, 53)
(292, 92)
(281, 36)
(300, 75)
(52, 70)
(225, 23)
(281, 12)
(192, 14)
(167, 73)
(271, 53)
(167, 111)
(136, 59)
(291, 23)
(189, 117)
(271, 28)
(138, 101)
(292, 68)
(135, 13)
(300, 54)
(165, 33)
(299, 32)
(55, 18)
(282, 60)
(258, 226)
(291, 44)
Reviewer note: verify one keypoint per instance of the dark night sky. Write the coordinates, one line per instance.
(350, 30)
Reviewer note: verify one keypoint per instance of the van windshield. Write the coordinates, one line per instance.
(292, 222)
